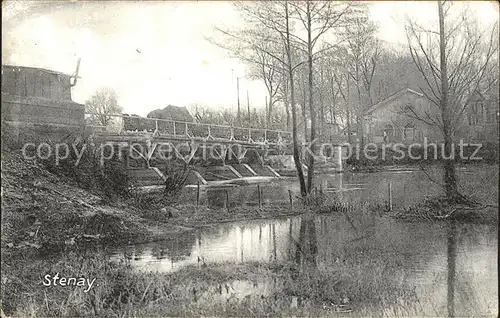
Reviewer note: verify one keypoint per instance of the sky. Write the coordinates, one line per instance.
(156, 53)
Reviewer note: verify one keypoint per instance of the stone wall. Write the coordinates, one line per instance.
(34, 111)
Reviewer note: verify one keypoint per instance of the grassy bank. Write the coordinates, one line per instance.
(440, 208)
(49, 209)
(41, 210)
(347, 288)
(44, 210)
(488, 152)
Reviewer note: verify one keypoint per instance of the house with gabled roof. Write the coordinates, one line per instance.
(386, 122)
(407, 116)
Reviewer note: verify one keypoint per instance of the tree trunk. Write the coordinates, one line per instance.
(348, 111)
(322, 104)
(238, 92)
(296, 150)
(248, 107)
(267, 114)
(269, 111)
(312, 110)
(332, 109)
(304, 113)
(370, 97)
(450, 180)
(359, 120)
(287, 108)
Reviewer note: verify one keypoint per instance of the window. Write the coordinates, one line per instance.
(388, 132)
(473, 120)
(487, 114)
(480, 112)
(409, 132)
(476, 116)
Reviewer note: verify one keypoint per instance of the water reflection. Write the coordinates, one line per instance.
(408, 188)
(453, 268)
(451, 257)
(307, 245)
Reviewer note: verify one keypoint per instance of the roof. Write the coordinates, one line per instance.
(172, 112)
(179, 113)
(391, 98)
(353, 129)
(36, 68)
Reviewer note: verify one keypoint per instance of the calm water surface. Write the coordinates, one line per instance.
(423, 251)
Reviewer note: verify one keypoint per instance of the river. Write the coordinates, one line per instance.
(431, 257)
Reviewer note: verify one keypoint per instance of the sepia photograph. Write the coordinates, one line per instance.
(275, 158)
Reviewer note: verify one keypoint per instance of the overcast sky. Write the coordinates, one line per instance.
(155, 53)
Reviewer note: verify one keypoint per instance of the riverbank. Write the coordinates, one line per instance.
(44, 212)
(47, 211)
(251, 289)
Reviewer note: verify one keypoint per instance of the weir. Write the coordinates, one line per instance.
(238, 152)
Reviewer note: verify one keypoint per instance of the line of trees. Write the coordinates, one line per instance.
(322, 63)
(457, 61)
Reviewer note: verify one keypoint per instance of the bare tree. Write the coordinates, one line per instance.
(252, 51)
(317, 18)
(266, 68)
(270, 32)
(270, 22)
(453, 61)
(363, 52)
(344, 87)
(101, 105)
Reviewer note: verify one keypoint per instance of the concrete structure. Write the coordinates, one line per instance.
(195, 142)
(190, 141)
(35, 96)
(392, 120)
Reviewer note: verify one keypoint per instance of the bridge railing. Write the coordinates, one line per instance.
(200, 130)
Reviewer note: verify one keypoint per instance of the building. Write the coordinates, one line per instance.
(352, 132)
(174, 113)
(394, 120)
(480, 120)
(36, 96)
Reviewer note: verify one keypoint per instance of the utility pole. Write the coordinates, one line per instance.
(267, 115)
(238, 92)
(248, 106)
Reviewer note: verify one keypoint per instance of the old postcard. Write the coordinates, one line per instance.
(252, 158)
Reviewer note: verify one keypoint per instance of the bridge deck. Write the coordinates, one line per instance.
(139, 129)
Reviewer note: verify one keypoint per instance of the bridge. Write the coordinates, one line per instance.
(191, 131)
(143, 136)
